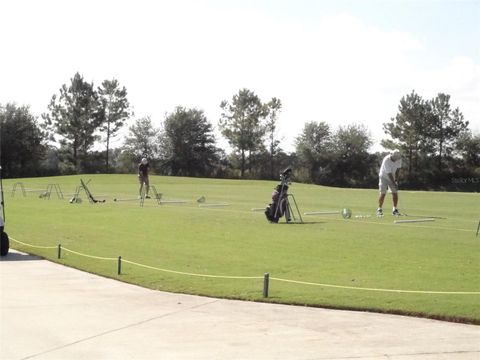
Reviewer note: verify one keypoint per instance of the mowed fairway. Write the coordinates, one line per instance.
(362, 256)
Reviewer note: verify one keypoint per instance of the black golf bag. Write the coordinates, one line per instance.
(278, 207)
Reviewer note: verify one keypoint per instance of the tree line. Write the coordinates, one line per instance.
(75, 135)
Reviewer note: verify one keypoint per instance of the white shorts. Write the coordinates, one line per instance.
(384, 183)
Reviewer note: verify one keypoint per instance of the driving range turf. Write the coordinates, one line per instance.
(363, 256)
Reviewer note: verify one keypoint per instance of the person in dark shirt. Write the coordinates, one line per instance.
(143, 177)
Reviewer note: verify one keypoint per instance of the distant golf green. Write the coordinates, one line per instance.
(435, 264)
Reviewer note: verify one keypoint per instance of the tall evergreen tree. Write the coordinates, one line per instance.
(116, 110)
(445, 125)
(75, 115)
(408, 129)
(274, 107)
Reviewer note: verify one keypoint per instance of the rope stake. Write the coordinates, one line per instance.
(119, 265)
(266, 281)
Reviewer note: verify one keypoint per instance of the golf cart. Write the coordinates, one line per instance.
(4, 242)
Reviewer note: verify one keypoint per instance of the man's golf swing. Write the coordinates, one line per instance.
(388, 179)
(143, 168)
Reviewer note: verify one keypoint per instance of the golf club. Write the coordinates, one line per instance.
(213, 205)
(424, 216)
(413, 221)
(321, 212)
(128, 199)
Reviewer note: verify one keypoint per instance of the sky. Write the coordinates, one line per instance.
(338, 61)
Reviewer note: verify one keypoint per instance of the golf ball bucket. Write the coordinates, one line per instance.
(346, 213)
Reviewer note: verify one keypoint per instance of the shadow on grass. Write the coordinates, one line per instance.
(304, 223)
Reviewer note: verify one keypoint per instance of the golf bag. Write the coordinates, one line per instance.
(278, 207)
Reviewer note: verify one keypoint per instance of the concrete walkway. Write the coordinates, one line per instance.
(49, 311)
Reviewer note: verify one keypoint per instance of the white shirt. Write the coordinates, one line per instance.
(389, 167)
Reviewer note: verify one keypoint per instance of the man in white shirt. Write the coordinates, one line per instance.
(388, 179)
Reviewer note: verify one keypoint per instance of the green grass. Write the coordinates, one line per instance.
(234, 241)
